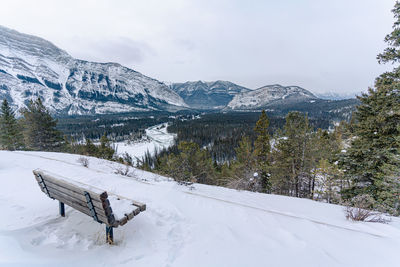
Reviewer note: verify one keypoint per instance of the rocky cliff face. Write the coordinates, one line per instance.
(31, 66)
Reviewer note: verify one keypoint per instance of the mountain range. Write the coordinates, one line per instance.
(33, 67)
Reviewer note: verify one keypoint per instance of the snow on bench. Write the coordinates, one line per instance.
(109, 209)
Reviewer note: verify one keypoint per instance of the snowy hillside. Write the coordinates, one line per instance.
(206, 226)
(31, 66)
(264, 96)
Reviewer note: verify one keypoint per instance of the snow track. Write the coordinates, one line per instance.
(287, 215)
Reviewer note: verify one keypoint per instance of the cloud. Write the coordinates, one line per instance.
(320, 45)
(122, 50)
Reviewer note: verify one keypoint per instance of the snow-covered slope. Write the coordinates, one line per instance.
(31, 66)
(208, 95)
(270, 94)
(207, 226)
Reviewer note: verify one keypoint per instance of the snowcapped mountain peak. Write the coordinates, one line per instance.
(15, 43)
(291, 89)
(269, 94)
(33, 67)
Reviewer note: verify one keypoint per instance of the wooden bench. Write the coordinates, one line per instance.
(89, 200)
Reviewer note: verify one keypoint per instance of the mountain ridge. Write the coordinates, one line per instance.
(32, 66)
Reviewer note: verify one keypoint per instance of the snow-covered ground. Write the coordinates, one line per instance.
(157, 137)
(207, 226)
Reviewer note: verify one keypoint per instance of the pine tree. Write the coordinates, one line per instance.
(40, 128)
(244, 168)
(327, 182)
(372, 162)
(10, 133)
(105, 150)
(391, 54)
(325, 148)
(262, 149)
(90, 149)
(190, 164)
(292, 159)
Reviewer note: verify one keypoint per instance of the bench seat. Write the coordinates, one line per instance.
(110, 209)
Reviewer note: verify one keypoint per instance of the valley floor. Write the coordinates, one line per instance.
(206, 226)
(157, 138)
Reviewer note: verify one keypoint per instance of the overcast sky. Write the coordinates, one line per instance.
(321, 45)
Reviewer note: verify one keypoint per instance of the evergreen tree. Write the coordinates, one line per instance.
(372, 162)
(40, 128)
(225, 174)
(391, 54)
(90, 149)
(328, 183)
(10, 134)
(262, 149)
(244, 168)
(292, 159)
(196, 164)
(325, 148)
(105, 150)
(190, 164)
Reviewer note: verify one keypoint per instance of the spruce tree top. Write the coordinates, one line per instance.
(392, 53)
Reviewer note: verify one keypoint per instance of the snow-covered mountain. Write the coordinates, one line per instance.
(268, 95)
(31, 66)
(208, 95)
(337, 96)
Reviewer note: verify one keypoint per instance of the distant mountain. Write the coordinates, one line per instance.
(268, 95)
(31, 66)
(279, 100)
(208, 95)
(335, 110)
(337, 96)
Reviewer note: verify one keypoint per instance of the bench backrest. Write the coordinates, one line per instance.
(86, 199)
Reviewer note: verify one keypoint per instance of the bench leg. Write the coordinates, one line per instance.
(109, 235)
(62, 209)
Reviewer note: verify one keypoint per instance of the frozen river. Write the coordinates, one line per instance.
(156, 137)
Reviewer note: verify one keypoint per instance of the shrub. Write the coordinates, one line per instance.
(359, 209)
(125, 171)
(83, 161)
